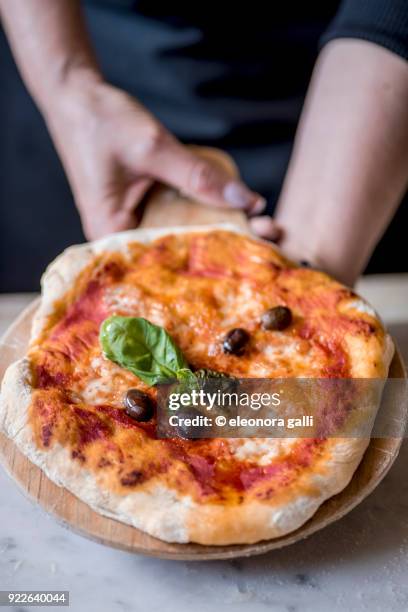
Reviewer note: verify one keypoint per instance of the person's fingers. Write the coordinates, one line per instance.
(116, 212)
(258, 207)
(136, 193)
(266, 227)
(97, 226)
(200, 178)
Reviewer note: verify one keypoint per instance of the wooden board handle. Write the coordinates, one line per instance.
(166, 206)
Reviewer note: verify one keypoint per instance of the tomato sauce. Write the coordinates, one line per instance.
(63, 362)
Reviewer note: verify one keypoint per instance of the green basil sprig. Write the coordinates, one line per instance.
(145, 349)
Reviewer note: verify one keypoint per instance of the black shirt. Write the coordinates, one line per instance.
(233, 75)
(237, 72)
(226, 74)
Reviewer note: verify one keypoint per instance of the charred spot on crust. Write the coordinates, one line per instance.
(76, 454)
(46, 379)
(134, 477)
(111, 269)
(46, 433)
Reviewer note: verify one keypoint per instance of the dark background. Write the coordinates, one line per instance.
(255, 123)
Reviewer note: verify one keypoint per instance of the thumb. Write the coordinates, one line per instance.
(203, 179)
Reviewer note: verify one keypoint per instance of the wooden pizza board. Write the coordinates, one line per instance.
(168, 208)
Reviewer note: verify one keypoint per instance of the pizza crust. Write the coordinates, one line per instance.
(158, 510)
(63, 271)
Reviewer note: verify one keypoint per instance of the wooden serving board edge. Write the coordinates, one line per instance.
(81, 519)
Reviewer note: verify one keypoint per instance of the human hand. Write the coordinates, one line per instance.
(113, 149)
(348, 171)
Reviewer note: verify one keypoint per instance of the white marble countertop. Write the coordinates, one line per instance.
(359, 564)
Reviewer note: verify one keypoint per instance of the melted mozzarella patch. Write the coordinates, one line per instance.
(132, 301)
(283, 354)
(99, 363)
(238, 304)
(289, 349)
(96, 391)
(125, 300)
(262, 451)
(106, 383)
(361, 306)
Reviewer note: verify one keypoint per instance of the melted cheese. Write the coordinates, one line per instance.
(261, 451)
(361, 306)
(198, 286)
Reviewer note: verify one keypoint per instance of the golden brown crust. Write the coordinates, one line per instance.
(213, 495)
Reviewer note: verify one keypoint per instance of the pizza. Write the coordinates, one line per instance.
(64, 403)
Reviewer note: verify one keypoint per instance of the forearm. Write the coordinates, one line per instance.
(349, 168)
(111, 147)
(50, 45)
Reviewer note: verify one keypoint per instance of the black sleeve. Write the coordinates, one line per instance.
(384, 22)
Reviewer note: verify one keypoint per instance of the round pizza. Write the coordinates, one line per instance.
(214, 299)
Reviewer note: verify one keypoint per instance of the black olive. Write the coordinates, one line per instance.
(138, 405)
(279, 318)
(235, 341)
(305, 264)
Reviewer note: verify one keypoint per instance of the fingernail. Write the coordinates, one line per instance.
(267, 228)
(258, 207)
(236, 194)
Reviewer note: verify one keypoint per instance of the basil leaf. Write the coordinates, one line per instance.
(145, 349)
